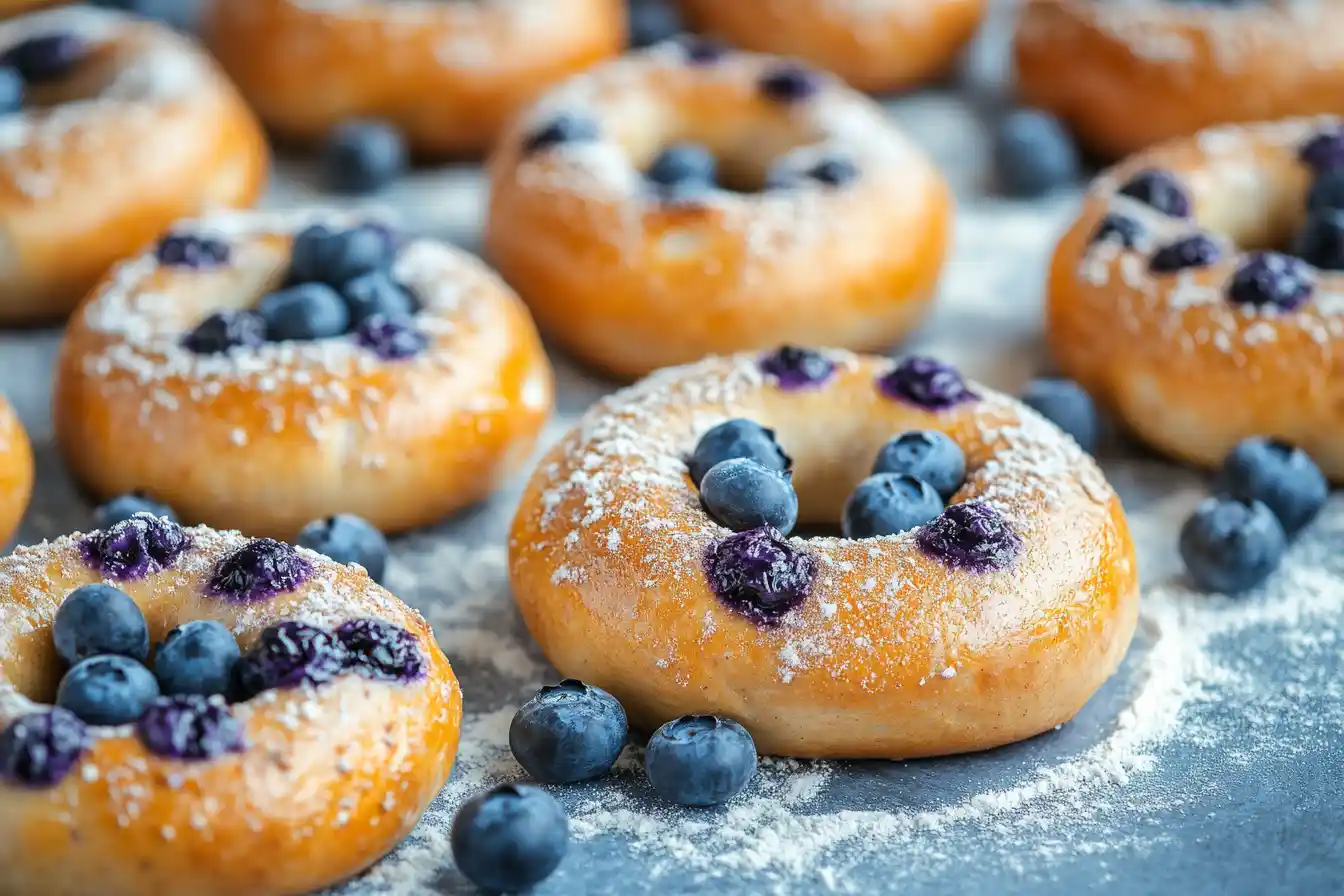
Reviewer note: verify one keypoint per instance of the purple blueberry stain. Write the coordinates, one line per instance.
(381, 650)
(926, 383)
(759, 574)
(135, 548)
(257, 571)
(1196, 251)
(1119, 229)
(972, 536)
(1271, 280)
(1324, 150)
(40, 749)
(796, 368)
(194, 251)
(287, 655)
(191, 728)
(391, 338)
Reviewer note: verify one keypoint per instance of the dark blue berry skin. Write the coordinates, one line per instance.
(225, 330)
(1281, 476)
(11, 90)
(1034, 154)
(107, 690)
(1321, 241)
(321, 254)
(40, 749)
(740, 494)
(377, 293)
(347, 538)
(391, 338)
(510, 838)
(683, 168)
(652, 22)
(122, 508)
(928, 455)
(1065, 404)
(363, 157)
(836, 171)
(737, 438)
(197, 657)
(700, 760)
(889, 504)
(1197, 251)
(1272, 280)
(303, 312)
(47, 57)
(568, 732)
(1327, 191)
(564, 128)
(1160, 190)
(1230, 546)
(1120, 229)
(98, 619)
(191, 250)
(790, 83)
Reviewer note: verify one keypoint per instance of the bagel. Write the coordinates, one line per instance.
(290, 791)
(840, 237)
(880, 47)
(449, 74)
(401, 422)
(992, 623)
(1125, 76)
(15, 7)
(16, 471)
(130, 127)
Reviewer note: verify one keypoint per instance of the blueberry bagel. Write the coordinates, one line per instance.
(16, 471)
(338, 726)
(111, 128)
(259, 371)
(449, 74)
(1200, 293)
(975, 607)
(14, 7)
(1126, 74)
(686, 200)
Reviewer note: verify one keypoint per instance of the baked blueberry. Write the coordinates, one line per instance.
(652, 22)
(1065, 404)
(737, 438)
(700, 760)
(107, 690)
(377, 293)
(927, 455)
(135, 548)
(98, 619)
(1281, 476)
(381, 650)
(1324, 150)
(321, 254)
(1321, 241)
(834, 171)
(760, 574)
(1230, 545)
(1327, 191)
(363, 156)
(11, 90)
(391, 338)
(510, 838)
(1197, 251)
(287, 655)
(225, 330)
(1117, 228)
(192, 250)
(889, 504)
(1159, 189)
(46, 57)
(797, 368)
(197, 657)
(347, 538)
(789, 83)
(568, 732)
(1034, 154)
(259, 570)
(41, 748)
(971, 536)
(926, 383)
(306, 311)
(740, 494)
(122, 508)
(566, 127)
(683, 168)
(190, 728)
(1271, 280)
(703, 50)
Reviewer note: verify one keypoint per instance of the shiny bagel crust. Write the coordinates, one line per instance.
(893, 653)
(16, 471)
(449, 74)
(629, 281)
(1125, 76)
(331, 778)
(875, 47)
(16, 7)
(143, 132)
(267, 439)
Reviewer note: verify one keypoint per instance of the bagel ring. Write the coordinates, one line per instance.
(16, 471)
(15, 7)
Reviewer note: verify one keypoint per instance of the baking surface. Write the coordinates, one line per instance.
(1209, 764)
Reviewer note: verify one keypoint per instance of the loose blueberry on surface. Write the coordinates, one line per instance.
(568, 732)
(926, 383)
(652, 22)
(40, 749)
(1117, 228)
(381, 650)
(1327, 191)
(1197, 251)
(971, 536)
(321, 254)
(287, 655)
(123, 507)
(47, 57)
(107, 690)
(702, 50)
(347, 538)
(737, 438)
(509, 838)
(363, 156)
(759, 574)
(259, 570)
(190, 728)
(1324, 150)
(192, 250)
(1160, 190)
(391, 338)
(1321, 241)
(1065, 404)
(564, 128)
(889, 504)
(740, 494)
(306, 311)
(98, 619)
(789, 83)
(928, 455)
(683, 168)
(135, 548)
(377, 293)
(197, 657)
(1271, 280)
(1281, 476)
(700, 760)
(225, 330)
(1034, 154)
(797, 368)
(1230, 545)
(11, 90)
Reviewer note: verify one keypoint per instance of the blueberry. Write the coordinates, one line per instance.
(391, 338)
(1065, 404)
(737, 438)
(47, 57)
(1230, 545)
(226, 330)
(107, 690)
(925, 454)
(1281, 476)
(197, 657)
(564, 128)
(1034, 154)
(381, 651)
(1321, 241)
(926, 383)
(287, 655)
(703, 50)
(306, 311)
(1324, 150)
(191, 250)
(1117, 228)
(123, 507)
(363, 156)
(789, 83)
(135, 548)
(377, 293)
(568, 732)
(683, 167)
(700, 760)
(652, 22)
(1197, 251)
(510, 838)
(1327, 191)
(1160, 190)
(972, 536)
(190, 728)
(11, 90)
(760, 574)
(1271, 280)
(41, 748)
(257, 571)
(889, 504)
(740, 494)
(335, 257)
(796, 368)
(835, 171)
(99, 619)
(347, 538)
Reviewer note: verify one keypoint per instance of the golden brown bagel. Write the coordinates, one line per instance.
(875, 46)
(265, 439)
(16, 471)
(14, 7)
(1127, 75)
(630, 279)
(142, 132)
(894, 651)
(327, 778)
(449, 74)
(1191, 370)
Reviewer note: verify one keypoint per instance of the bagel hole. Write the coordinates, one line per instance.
(90, 78)
(746, 148)
(1259, 207)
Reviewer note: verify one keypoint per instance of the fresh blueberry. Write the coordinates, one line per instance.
(391, 338)
(1117, 228)
(568, 732)
(363, 156)
(1321, 241)
(197, 657)
(564, 128)
(190, 728)
(1281, 476)
(1065, 404)
(192, 250)
(1271, 280)
(41, 748)
(347, 538)
(889, 504)
(377, 293)
(122, 508)
(225, 330)
(107, 690)
(99, 619)
(700, 760)
(1230, 545)
(1034, 154)
(1327, 191)
(1197, 251)
(11, 90)
(288, 655)
(510, 838)
(381, 650)
(789, 83)
(47, 57)
(928, 455)
(257, 571)
(683, 167)
(652, 22)
(1324, 150)
(1160, 190)
(737, 438)
(306, 311)
(335, 257)
(740, 494)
